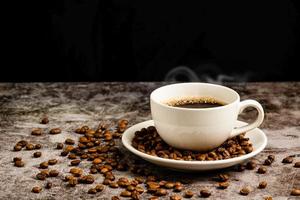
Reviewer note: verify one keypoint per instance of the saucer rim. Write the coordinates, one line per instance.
(127, 144)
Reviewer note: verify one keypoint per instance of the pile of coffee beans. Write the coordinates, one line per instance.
(99, 148)
(148, 141)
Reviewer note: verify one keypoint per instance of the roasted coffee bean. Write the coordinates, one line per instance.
(169, 185)
(271, 157)
(17, 148)
(72, 156)
(48, 185)
(97, 161)
(188, 194)
(125, 193)
(130, 188)
(245, 191)
(268, 198)
(59, 146)
(178, 188)
(45, 172)
(44, 165)
(99, 187)
(295, 192)
(134, 182)
(268, 162)
(297, 165)
(17, 159)
(53, 173)
(288, 159)
(93, 171)
(76, 171)
(55, 131)
(72, 182)
(113, 185)
(135, 195)
(161, 192)
(22, 143)
(115, 198)
(68, 177)
(52, 161)
(175, 197)
(76, 163)
(64, 153)
(223, 185)
(37, 132)
(88, 179)
(37, 154)
(205, 193)
(92, 191)
(45, 120)
(106, 181)
(41, 176)
(69, 141)
(139, 189)
(261, 170)
(153, 198)
(37, 146)
(251, 165)
(223, 177)
(29, 147)
(36, 189)
(262, 185)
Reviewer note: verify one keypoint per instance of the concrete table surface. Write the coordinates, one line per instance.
(71, 105)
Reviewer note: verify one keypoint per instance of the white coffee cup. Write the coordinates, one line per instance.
(199, 129)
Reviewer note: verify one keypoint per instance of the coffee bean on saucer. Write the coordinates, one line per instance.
(188, 194)
(245, 191)
(48, 185)
(261, 170)
(262, 184)
(36, 189)
(205, 193)
(295, 192)
(287, 160)
(37, 154)
(55, 131)
(45, 120)
(297, 165)
(37, 132)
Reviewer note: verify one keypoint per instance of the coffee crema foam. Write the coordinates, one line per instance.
(190, 100)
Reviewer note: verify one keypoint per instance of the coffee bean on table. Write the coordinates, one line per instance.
(45, 172)
(175, 197)
(76, 171)
(44, 165)
(17, 148)
(295, 192)
(125, 193)
(188, 194)
(153, 198)
(59, 146)
(271, 157)
(245, 191)
(45, 120)
(99, 187)
(178, 188)
(37, 146)
(69, 141)
(130, 188)
(92, 191)
(64, 153)
(72, 156)
(48, 185)
(205, 193)
(262, 184)
(223, 177)
(37, 132)
(113, 185)
(36, 189)
(52, 161)
(297, 165)
(223, 185)
(55, 131)
(30, 147)
(250, 165)
(169, 185)
(17, 159)
(19, 163)
(41, 176)
(268, 162)
(287, 160)
(77, 162)
(115, 198)
(72, 182)
(161, 192)
(22, 143)
(261, 170)
(37, 154)
(53, 173)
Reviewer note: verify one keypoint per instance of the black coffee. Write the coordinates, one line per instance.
(203, 102)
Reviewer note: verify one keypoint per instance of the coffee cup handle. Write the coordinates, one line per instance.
(242, 105)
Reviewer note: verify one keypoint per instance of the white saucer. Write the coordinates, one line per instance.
(256, 136)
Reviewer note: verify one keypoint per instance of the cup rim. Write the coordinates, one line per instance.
(195, 109)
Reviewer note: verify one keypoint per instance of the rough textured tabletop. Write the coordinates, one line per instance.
(71, 105)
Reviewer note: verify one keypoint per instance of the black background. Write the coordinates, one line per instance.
(120, 40)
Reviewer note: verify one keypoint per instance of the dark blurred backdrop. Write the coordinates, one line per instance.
(122, 40)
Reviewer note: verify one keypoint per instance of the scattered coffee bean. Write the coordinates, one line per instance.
(295, 192)
(245, 191)
(37, 154)
(271, 157)
(261, 170)
(17, 159)
(188, 194)
(169, 185)
(37, 146)
(55, 131)
(223, 177)
(69, 141)
(130, 188)
(135, 195)
(45, 172)
(48, 185)
(139, 189)
(92, 191)
(205, 193)
(125, 193)
(30, 147)
(72, 182)
(22, 143)
(72, 156)
(161, 192)
(45, 120)
(53, 173)
(36, 189)
(113, 185)
(37, 132)
(268, 198)
(59, 146)
(64, 153)
(44, 165)
(223, 185)
(76, 171)
(297, 165)
(97, 161)
(19, 163)
(250, 165)
(52, 162)
(178, 188)
(17, 148)
(262, 185)
(76, 163)
(268, 162)
(41, 176)
(153, 198)
(175, 197)
(99, 187)
(288, 159)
